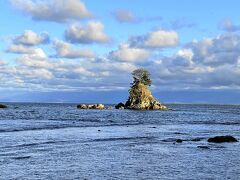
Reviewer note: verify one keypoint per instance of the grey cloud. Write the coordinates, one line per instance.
(20, 49)
(155, 39)
(229, 26)
(93, 32)
(65, 50)
(30, 38)
(124, 16)
(223, 49)
(188, 68)
(53, 10)
(127, 16)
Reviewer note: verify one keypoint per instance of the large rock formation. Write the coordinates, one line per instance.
(141, 98)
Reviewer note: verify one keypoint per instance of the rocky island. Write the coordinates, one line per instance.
(140, 96)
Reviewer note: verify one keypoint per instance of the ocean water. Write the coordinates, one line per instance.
(58, 141)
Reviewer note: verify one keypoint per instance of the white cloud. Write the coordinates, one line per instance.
(185, 53)
(83, 71)
(34, 61)
(54, 10)
(161, 38)
(20, 49)
(155, 40)
(92, 33)
(128, 54)
(211, 63)
(30, 38)
(65, 50)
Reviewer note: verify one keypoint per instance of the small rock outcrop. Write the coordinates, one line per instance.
(2, 106)
(179, 140)
(140, 96)
(222, 139)
(120, 106)
(90, 106)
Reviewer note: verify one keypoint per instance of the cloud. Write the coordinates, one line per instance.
(182, 23)
(161, 38)
(127, 16)
(128, 54)
(20, 49)
(92, 33)
(210, 63)
(64, 50)
(223, 49)
(124, 16)
(229, 26)
(155, 39)
(30, 38)
(54, 10)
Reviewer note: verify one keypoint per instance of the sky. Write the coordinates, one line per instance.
(85, 50)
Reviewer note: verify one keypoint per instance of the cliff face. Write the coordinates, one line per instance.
(140, 98)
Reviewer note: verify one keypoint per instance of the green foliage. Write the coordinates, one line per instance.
(141, 76)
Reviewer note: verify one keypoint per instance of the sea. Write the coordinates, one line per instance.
(59, 141)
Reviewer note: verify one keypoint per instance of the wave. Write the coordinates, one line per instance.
(124, 139)
(34, 144)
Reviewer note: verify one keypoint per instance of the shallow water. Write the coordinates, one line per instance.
(58, 141)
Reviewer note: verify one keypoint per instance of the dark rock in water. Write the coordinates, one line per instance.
(196, 139)
(82, 106)
(120, 106)
(179, 140)
(90, 106)
(3, 106)
(222, 139)
(203, 147)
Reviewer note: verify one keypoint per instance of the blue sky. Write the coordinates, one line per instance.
(55, 50)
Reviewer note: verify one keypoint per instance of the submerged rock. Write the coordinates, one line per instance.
(3, 106)
(90, 106)
(120, 106)
(222, 139)
(141, 98)
(203, 147)
(179, 140)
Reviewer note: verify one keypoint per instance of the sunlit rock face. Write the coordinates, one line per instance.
(141, 98)
(90, 106)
